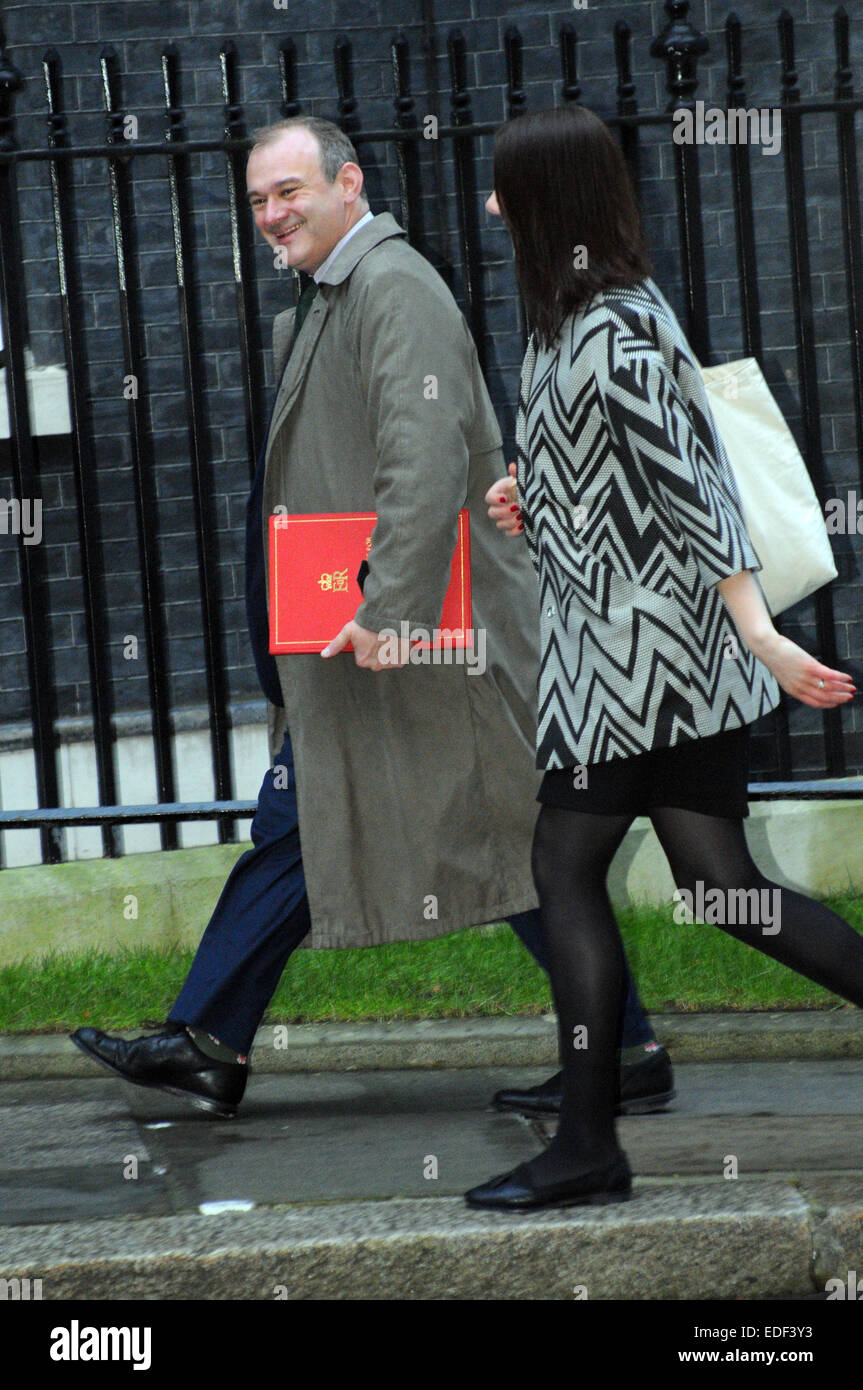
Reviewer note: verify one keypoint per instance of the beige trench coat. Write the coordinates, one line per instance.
(416, 787)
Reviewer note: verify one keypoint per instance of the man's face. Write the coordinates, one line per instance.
(293, 205)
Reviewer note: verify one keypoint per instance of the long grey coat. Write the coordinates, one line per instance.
(416, 787)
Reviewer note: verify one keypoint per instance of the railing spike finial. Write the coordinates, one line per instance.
(842, 45)
(11, 83)
(569, 62)
(516, 97)
(681, 45)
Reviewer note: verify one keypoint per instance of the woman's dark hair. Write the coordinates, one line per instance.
(564, 192)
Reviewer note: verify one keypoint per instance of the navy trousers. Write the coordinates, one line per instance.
(262, 916)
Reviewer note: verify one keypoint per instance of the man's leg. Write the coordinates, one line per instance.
(260, 918)
(646, 1078)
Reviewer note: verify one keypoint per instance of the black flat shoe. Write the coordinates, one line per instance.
(169, 1061)
(645, 1086)
(516, 1192)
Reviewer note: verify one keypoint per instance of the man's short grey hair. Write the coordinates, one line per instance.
(335, 147)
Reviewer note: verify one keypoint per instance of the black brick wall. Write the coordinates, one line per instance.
(138, 29)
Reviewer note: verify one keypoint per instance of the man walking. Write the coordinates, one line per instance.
(411, 786)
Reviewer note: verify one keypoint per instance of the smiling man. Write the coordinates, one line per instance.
(401, 800)
(400, 804)
(309, 218)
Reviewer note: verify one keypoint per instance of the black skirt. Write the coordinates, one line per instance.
(709, 775)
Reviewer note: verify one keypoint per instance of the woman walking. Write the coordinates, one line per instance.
(657, 649)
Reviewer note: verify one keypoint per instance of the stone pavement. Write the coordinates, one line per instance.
(338, 1183)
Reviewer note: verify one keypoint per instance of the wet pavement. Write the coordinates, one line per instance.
(83, 1149)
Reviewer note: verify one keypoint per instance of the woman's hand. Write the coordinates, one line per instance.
(796, 671)
(503, 506)
(802, 676)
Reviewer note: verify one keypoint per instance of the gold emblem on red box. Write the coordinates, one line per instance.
(337, 582)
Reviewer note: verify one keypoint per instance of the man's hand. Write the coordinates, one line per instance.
(502, 499)
(371, 651)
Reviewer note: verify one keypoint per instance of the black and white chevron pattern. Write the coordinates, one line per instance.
(631, 515)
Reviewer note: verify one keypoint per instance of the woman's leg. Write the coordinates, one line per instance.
(636, 1028)
(572, 851)
(712, 851)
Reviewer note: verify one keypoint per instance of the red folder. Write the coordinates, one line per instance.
(314, 561)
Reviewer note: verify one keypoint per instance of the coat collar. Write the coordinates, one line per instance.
(382, 226)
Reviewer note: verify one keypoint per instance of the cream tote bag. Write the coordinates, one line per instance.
(780, 508)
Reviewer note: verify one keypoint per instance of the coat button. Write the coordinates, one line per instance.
(549, 612)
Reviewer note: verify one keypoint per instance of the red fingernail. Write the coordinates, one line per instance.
(501, 499)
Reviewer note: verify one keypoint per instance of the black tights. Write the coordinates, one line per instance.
(572, 852)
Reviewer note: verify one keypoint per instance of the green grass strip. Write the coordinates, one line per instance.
(483, 972)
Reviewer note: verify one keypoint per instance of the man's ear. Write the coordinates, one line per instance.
(352, 179)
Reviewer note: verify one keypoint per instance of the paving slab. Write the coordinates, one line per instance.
(310, 1137)
(348, 1185)
(481, 1042)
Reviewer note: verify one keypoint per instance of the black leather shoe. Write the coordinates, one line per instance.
(645, 1086)
(515, 1192)
(169, 1061)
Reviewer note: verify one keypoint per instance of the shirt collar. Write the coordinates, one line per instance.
(322, 269)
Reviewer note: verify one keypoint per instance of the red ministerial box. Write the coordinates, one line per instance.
(314, 561)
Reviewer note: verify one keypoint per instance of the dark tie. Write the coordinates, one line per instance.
(308, 290)
(256, 594)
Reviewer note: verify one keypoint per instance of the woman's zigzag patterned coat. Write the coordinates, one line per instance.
(631, 516)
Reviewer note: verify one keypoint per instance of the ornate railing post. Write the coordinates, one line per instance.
(464, 169)
(627, 104)
(406, 151)
(681, 46)
(25, 477)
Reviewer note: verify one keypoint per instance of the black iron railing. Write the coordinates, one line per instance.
(679, 46)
